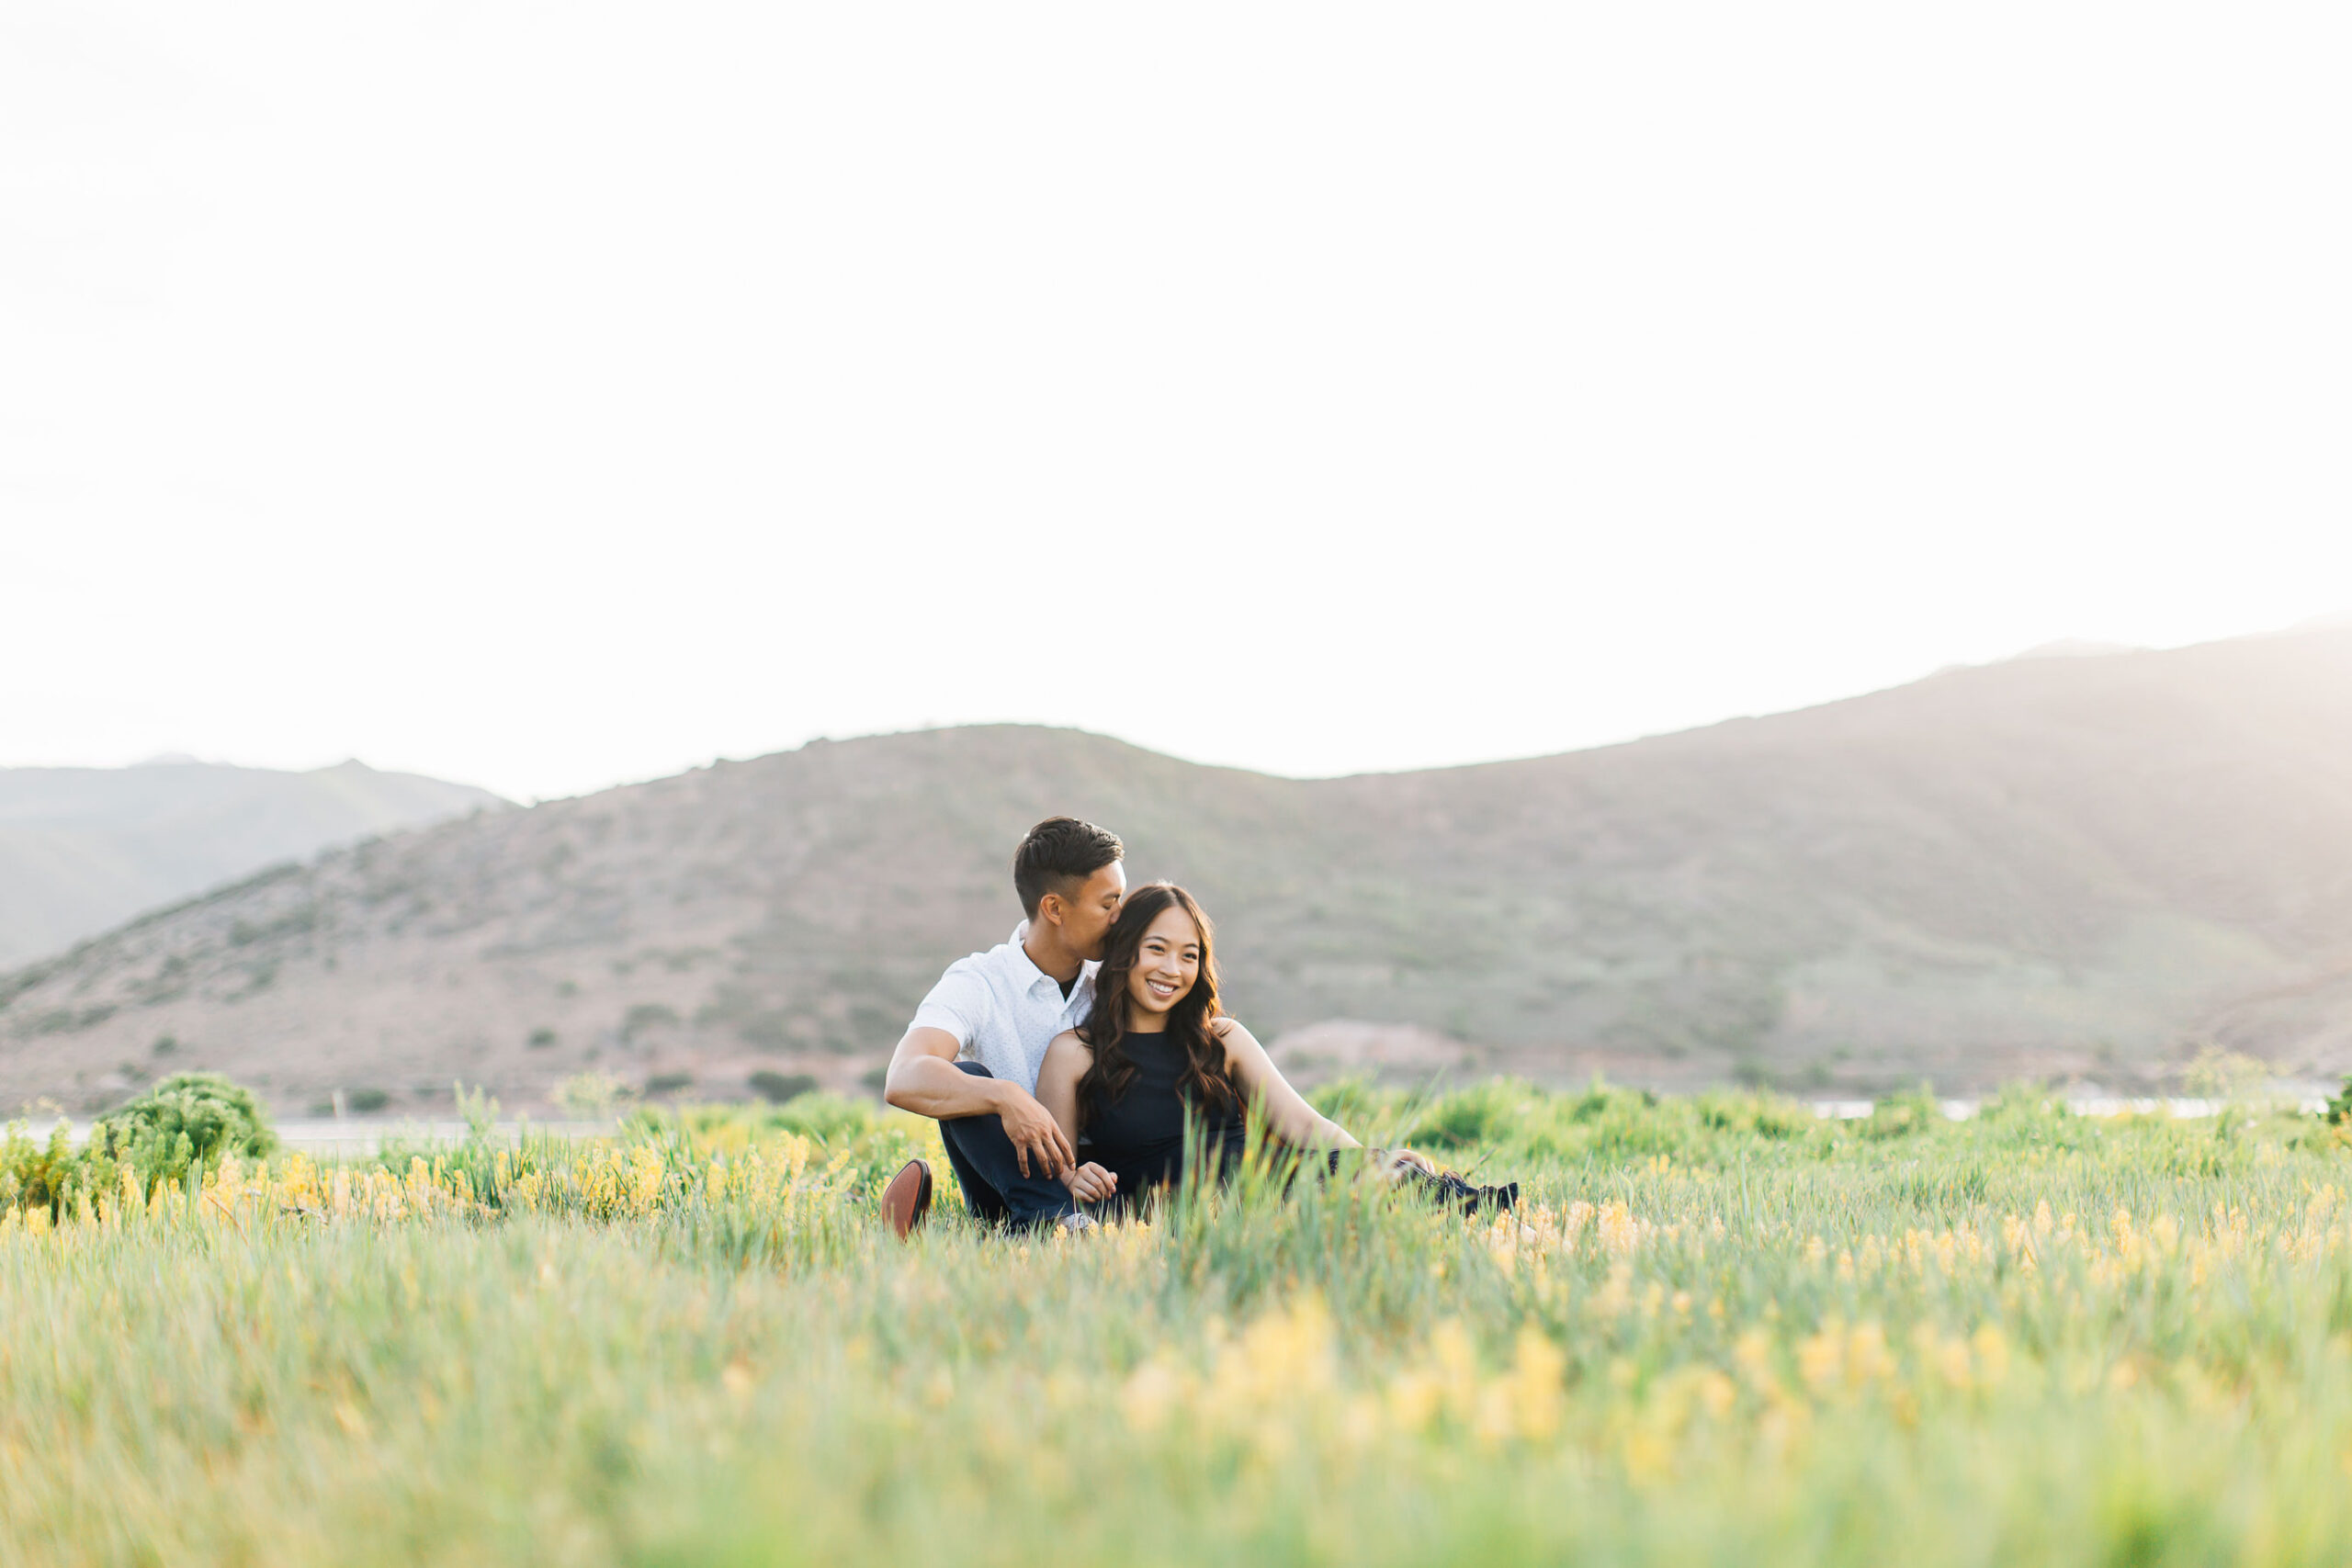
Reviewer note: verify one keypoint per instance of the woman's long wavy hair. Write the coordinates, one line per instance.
(1205, 1082)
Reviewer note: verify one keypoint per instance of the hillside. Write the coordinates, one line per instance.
(84, 849)
(2070, 865)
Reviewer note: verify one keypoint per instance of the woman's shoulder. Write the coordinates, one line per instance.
(1233, 1033)
(1066, 1061)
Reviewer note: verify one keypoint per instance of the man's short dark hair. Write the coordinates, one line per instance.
(1057, 856)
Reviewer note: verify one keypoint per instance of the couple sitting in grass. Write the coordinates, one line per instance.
(1074, 1069)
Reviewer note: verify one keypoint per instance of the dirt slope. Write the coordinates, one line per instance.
(2083, 865)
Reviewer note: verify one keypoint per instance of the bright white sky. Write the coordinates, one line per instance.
(548, 395)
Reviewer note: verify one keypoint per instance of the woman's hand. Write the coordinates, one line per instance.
(1392, 1162)
(1090, 1183)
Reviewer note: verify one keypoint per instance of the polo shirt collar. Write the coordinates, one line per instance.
(1028, 968)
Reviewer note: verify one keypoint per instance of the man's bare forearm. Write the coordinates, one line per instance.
(934, 1087)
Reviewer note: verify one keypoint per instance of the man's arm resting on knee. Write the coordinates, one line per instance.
(923, 1079)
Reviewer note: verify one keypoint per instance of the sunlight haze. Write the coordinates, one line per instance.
(541, 397)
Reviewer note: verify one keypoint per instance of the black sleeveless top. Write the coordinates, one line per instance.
(1139, 1138)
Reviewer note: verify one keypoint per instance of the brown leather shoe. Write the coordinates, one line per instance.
(908, 1198)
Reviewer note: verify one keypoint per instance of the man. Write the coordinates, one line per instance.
(970, 1058)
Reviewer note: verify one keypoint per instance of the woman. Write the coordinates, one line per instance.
(1154, 1046)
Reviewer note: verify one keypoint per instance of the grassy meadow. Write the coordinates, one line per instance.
(1717, 1330)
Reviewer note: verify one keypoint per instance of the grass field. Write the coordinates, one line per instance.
(1724, 1332)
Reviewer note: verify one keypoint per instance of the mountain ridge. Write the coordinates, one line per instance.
(2085, 866)
(83, 849)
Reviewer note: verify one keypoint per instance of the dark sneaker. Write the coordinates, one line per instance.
(908, 1198)
(1445, 1187)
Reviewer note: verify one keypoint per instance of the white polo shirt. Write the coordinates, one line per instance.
(1003, 1010)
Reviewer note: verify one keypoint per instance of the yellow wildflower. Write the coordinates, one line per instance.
(1536, 1385)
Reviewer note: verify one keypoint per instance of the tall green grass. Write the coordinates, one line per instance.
(1718, 1330)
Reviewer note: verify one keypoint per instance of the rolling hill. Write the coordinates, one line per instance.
(84, 849)
(2085, 865)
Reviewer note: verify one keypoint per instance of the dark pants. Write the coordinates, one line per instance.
(989, 1171)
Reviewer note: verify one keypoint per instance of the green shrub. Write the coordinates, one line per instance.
(1904, 1115)
(364, 1100)
(645, 1016)
(1483, 1113)
(37, 1174)
(1611, 1125)
(1354, 1103)
(830, 1117)
(1760, 1115)
(781, 1087)
(186, 1117)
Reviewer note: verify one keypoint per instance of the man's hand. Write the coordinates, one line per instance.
(1090, 1183)
(1033, 1132)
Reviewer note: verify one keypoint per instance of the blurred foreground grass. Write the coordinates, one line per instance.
(1723, 1331)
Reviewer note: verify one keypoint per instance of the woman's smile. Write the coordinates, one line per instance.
(1166, 968)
